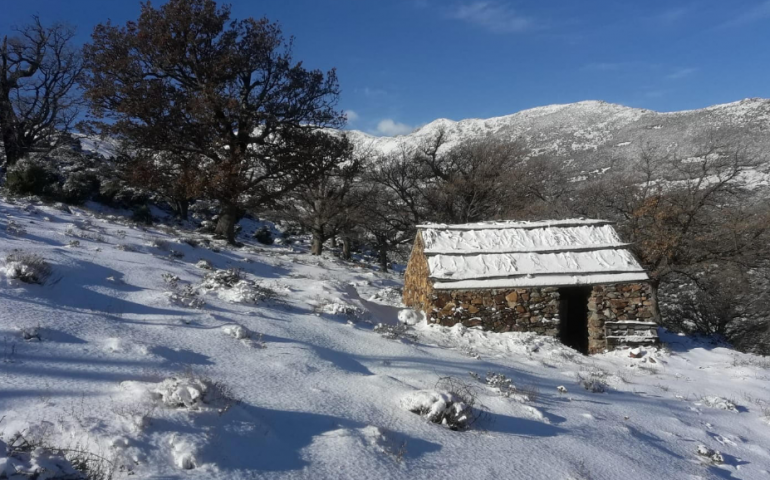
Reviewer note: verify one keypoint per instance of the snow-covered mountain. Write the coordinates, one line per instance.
(591, 133)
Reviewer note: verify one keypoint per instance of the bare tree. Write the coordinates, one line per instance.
(693, 220)
(176, 177)
(469, 182)
(39, 71)
(187, 79)
(324, 203)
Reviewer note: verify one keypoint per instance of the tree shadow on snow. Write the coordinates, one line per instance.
(262, 439)
(180, 356)
(523, 427)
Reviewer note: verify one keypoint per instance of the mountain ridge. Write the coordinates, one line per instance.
(594, 134)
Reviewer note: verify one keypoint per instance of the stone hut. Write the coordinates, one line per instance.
(572, 279)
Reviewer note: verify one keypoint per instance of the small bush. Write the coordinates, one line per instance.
(204, 264)
(186, 297)
(79, 187)
(595, 381)
(221, 279)
(395, 332)
(171, 279)
(497, 381)
(191, 241)
(338, 309)
(34, 458)
(194, 393)
(142, 215)
(27, 267)
(159, 243)
(264, 236)
(712, 455)
(31, 177)
(450, 404)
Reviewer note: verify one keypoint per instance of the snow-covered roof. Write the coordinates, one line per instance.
(528, 254)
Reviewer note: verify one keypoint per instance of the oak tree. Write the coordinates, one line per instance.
(187, 79)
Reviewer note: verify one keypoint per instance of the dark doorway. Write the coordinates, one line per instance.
(573, 316)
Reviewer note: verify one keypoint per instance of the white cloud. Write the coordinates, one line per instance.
(392, 128)
(681, 73)
(352, 116)
(492, 15)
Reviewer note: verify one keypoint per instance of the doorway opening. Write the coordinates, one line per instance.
(573, 317)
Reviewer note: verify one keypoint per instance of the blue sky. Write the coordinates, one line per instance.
(403, 63)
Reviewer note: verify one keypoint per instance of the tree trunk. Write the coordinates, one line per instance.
(10, 137)
(182, 209)
(346, 248)
(383, 256)
(655, 284)
(318, 243)
(228, 217)
(318, 236)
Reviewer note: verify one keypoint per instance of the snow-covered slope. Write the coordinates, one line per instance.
(320, 392)
(593, 133)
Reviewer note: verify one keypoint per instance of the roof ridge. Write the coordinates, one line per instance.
(516, 224)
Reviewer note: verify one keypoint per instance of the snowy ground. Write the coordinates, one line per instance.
(302, 386)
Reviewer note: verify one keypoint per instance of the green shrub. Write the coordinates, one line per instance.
(31, 177)
(142, 215)
(80, 187)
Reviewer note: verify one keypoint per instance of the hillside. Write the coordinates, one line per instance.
(592, 134)
(280, 373)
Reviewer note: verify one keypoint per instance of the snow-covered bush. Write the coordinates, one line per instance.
(193, 393)
(79, 187)
(231, 287)
(126, 247)
(594, 380)
(30, 334)
(497, 381)
(23, 458)
(242, 333)
(186, 296)
(170, 279)
(396, 332)
(389, 295)
(219, 279)
(32, 176)
(719, 403)
(158, 243)
(338, 308)
(408, 316)
(450, 404)
(204, 264)
(712, 455)
(84, 230)
(27, 267)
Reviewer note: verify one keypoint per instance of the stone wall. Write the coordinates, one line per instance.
(417, 284)
(516, 310)
(537, 310)
(618, 303)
